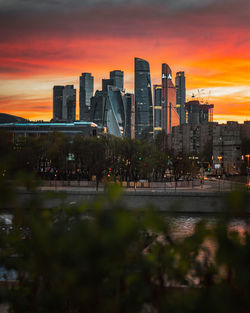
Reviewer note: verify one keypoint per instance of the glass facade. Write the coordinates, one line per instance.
(86, 88)
(108, 110)
(117, 77)
(130, 116)
(143, 100)
(69, 103)
(57, 102)
(170, 116)
(180, 85)
(157, 108)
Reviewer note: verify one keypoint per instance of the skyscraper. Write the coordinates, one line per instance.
(69, 103)
(85, 94)
(170, 116)
(117, 77)
(108, 110)
(143, 100)
(57, 102)
(130, 115)
(106, 83)
(157, 108)
(180, 85)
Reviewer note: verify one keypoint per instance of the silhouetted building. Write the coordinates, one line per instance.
(108, 110)
(57, 102)
(143, 100)
(227, 148)
(130, 115)
(157, 108)
(170, 117)
(86, 88)
(191, 140)
(106, 83)
(180, 85)
(69, 103)
(117, 77)
(198, 113)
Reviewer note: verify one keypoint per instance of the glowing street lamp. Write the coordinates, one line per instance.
(247, 156)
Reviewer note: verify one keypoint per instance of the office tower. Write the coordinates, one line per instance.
(180, 85)
(57, 102)
(86, 88)
(69, 103)
(117, 77)
(130, 116)
(106, 83)
(170, 116)
(157, 108)
(143, 100)
(108, 110)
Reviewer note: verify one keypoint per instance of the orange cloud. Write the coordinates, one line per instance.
(40, 49)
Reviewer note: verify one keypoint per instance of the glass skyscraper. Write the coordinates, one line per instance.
(57, 102)
(157, 108)
(180, 85)
(130, 115)
(85, 93)
(117, 77)
(170, 117)
(69, 103)
(143, 100)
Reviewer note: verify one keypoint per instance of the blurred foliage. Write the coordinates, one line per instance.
(101, 257)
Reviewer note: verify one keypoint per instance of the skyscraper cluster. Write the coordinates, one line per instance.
(137, 115)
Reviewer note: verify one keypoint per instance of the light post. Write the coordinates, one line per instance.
(219, 157)
(247, 156)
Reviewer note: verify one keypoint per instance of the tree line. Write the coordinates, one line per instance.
(56, 156)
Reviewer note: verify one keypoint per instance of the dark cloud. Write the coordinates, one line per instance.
(101, 19)
(48, 5)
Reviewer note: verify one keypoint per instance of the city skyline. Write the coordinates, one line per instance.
(208, 40)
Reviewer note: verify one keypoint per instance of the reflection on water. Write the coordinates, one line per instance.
(184, 225)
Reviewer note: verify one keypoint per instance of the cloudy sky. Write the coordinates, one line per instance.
(49, 42)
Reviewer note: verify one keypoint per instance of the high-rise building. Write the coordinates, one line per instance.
(143, 100)
(86, 88)
(130, 115)
(117, 77)
(180, 85)
(198, 113)
(57, 102)
(157, 108)
(170, 116)
(106, 83)
(69, 103)
(108, 110)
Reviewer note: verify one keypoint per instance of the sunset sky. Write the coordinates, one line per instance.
(51, 42)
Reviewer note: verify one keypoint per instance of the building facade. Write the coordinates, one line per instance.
(86, 88)
(170, 116)
(143, 100)
(108, 109)
(180, 85)
(130, 116)
(57, 102)
(69, 103)
(157, 109)
(198, 113)
(117, 77)
(38, 129)
(227, 147)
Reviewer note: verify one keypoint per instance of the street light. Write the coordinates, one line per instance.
(247, 156)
